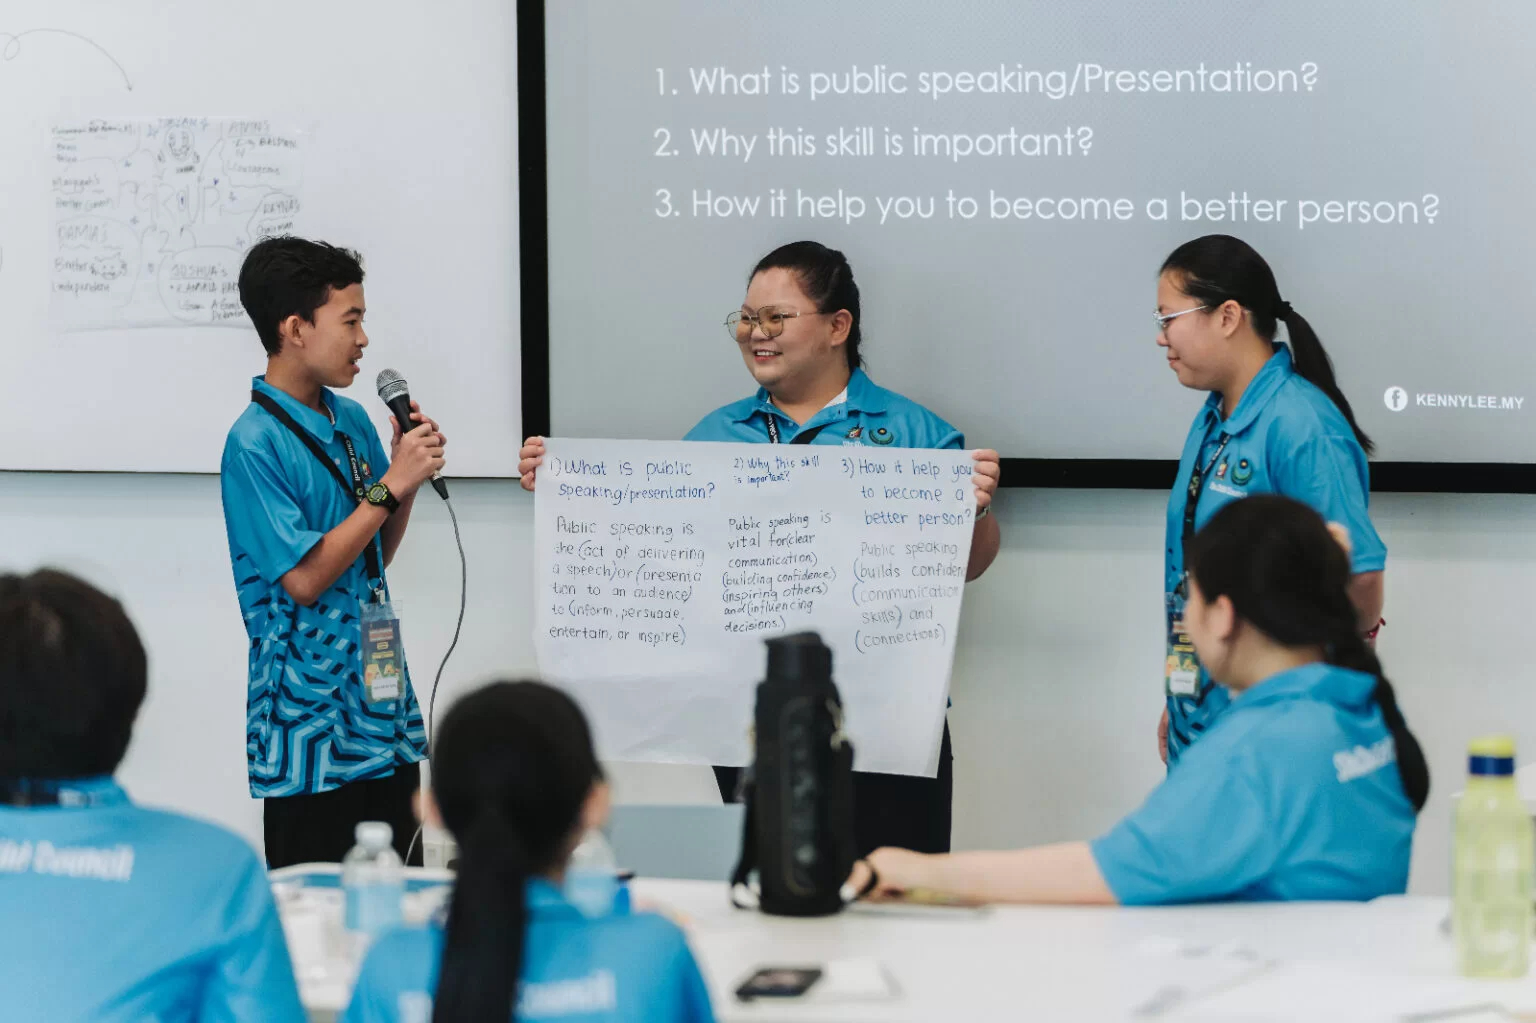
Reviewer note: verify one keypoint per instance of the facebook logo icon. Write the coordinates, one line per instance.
(1396, 399)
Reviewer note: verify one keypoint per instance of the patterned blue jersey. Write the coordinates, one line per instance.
(310, 726)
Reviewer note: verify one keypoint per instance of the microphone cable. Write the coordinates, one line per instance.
(432, 698)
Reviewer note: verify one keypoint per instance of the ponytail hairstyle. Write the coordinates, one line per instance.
(1219, 268)
(826, 278)
(512, 767)
(1287, 576)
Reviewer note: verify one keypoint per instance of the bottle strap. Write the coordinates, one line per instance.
(743, 895)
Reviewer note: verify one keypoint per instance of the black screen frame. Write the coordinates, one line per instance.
(1075, 473)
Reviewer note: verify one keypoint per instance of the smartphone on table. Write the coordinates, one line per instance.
(779, 982)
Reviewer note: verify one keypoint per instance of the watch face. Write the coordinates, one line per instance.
(378, 493)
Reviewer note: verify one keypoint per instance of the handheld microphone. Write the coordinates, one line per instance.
(395, 394)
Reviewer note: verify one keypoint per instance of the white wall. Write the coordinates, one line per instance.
(1057, 684)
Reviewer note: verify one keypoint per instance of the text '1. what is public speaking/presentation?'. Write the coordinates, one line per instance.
(922, 125)
(661, 567)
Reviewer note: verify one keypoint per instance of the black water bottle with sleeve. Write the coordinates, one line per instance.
(799, 794)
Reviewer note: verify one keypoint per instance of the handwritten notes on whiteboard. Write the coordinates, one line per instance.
(152, 217)
(661, 567)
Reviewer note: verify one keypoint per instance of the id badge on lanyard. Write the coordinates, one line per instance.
(1181, 670)
(383, 661)
(1181, 673)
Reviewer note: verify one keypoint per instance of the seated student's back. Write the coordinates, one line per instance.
(1307, 787)
(625, 967)
(1310, 805)
(516, 780)
(112, 911)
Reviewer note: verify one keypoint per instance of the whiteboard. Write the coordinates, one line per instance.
(406, 117)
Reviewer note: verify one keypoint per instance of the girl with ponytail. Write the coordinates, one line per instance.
(516, 780)
(1308, 787)
(1275, 423)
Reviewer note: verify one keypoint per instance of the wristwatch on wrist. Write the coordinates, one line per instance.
(379, 495)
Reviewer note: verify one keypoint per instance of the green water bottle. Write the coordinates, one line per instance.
(1492, 866)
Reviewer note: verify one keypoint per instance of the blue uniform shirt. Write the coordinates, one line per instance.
(625, 968)
(117, 913)
(309, 724)
(1287, 437)
(868, 415)
(1293, 794)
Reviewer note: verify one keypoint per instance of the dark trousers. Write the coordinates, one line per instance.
(318, 827)
(890, 809)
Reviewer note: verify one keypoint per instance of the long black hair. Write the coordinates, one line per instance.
(1219, 268)
(512, 767)
(826, 278)
(1286, 575)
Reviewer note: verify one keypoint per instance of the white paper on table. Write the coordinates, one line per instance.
(1171, 979)
(152, 217)
(858, 979)
(1344, 992)
(1167, 975)
(662, 566)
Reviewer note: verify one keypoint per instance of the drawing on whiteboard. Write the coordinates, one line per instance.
(10, 46)
(153, 216)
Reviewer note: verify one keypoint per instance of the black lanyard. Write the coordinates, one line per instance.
(356, 491)
(803, 437)
(1197, 479)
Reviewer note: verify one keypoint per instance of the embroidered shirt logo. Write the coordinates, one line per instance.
(595, 993)
(1363, 760)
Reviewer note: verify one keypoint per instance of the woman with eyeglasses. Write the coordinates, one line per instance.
(1275, 423)
(1307, 788)
(798, 332)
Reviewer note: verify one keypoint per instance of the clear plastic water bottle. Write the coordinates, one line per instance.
(592, 878)
(373, 881)
(1494, 857)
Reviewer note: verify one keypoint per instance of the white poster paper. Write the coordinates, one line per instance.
(662, 566)
(152, 217)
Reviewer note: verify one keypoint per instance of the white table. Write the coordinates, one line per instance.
(309, 899)
(1333, 960)
(1078, 963)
